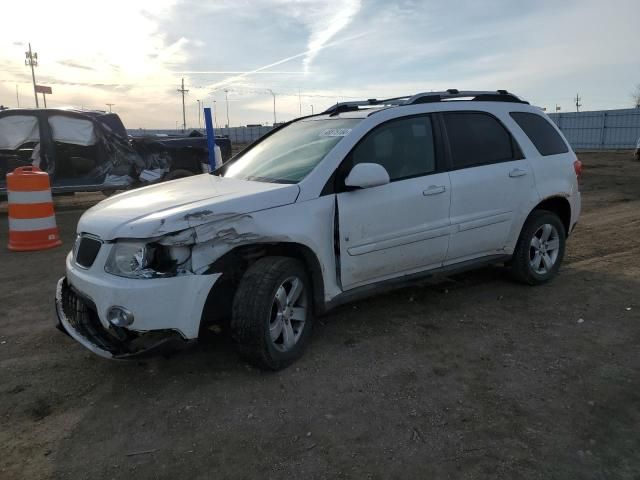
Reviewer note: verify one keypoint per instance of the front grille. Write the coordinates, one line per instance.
(87, 251)
(81, 313)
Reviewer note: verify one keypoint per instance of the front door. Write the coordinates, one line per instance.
(403, 226)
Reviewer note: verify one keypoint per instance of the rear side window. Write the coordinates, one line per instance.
(404, 147)
(541, 133)
(477, 138)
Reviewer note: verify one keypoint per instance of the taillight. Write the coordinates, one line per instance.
(577, 167)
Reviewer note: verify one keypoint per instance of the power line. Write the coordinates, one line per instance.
(184, 116)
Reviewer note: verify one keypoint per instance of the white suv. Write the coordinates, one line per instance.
(323, 210)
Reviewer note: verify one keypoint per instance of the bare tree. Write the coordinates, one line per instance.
(636, 96)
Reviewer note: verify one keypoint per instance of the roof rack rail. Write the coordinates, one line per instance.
(427, 97)
(452, 93)
(355, 105)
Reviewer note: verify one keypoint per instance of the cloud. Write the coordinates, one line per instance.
(544, 50)
(335, 19)
(72, 64)
(304, 54)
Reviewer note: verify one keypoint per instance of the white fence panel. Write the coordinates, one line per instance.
(600, 130)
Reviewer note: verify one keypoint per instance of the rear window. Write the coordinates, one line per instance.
(541, 133)
(477, 138)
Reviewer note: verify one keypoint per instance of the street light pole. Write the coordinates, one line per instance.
(32, 61)
(215, 115)
(274, 106)
(226, 98)
(199, 122)
(311, 109)
(110, 105)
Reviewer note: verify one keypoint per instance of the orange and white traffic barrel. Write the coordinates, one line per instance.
(32, 221)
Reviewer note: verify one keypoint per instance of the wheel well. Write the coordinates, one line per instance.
(235, 263)
(561, 207)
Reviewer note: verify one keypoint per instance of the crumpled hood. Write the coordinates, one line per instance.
(173, 206)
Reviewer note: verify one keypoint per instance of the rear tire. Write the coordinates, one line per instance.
(272, 314)
(540, 249)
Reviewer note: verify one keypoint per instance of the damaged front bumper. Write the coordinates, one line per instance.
(78, 318)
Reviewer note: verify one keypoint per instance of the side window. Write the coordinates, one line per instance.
(541, 133)
(18, 131)
(404, 147)
(477, 138)
(76, 131)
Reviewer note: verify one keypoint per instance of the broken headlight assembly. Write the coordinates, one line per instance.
(136, 259)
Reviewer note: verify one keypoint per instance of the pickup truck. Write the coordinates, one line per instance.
(91, 151)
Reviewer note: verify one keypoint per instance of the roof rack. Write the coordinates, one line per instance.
(427, 97)
(355, 105)
(473, 95)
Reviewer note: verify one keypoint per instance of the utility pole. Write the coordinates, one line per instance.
(17, 96)
(215, 115)
(110, 105)
(184, 116)
(311, 109)
(32, 61)
(226, 98)
(199, 122)
(578, 104)
(274, 106)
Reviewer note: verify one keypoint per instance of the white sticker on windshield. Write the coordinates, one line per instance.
(335, 132)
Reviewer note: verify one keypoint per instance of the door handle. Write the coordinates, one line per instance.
(517, 172)
(434, 190)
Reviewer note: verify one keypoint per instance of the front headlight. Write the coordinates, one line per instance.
(131, 259)
(140, 259)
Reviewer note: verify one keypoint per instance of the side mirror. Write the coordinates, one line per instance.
(367, 175)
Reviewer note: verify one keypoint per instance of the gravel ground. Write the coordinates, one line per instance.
(470, 377)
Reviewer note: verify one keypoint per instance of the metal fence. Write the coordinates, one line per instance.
(235, 134)
(600, 130)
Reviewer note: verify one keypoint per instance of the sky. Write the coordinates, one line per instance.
(308, 54)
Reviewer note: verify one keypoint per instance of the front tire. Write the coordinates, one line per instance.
(272, 312)
(540, 249)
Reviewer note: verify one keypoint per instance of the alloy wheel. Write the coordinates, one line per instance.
(544, 249)
(288, 314)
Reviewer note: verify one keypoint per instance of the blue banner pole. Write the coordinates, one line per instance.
(211, 138)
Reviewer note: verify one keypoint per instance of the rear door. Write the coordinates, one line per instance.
(491, 185)
(551, 158)
(403, 226)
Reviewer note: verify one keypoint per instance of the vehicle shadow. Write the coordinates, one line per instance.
(470, 373)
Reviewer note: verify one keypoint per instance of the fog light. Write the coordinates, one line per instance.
(119, 317)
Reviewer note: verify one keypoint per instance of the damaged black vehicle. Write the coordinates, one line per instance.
(91, 151)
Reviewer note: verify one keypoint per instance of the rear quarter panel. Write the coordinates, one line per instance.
(554, 175)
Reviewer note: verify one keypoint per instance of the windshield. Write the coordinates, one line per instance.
(288, 155)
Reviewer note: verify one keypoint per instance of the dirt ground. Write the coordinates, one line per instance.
(473, 377)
